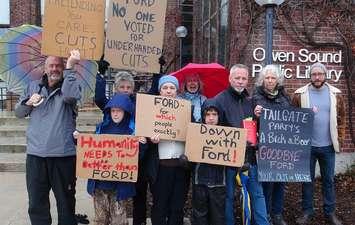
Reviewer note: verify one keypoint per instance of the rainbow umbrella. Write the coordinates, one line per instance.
(21, 61)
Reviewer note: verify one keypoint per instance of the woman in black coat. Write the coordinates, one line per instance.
(269, 93)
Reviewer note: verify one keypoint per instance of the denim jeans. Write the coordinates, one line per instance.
(274, 197)
(326, 159)
(230, 198)
(257, 199)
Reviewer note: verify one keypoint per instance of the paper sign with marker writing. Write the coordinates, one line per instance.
(107, 157)
(135, 34)
(71, 25)
(167, 117)
(216, 144)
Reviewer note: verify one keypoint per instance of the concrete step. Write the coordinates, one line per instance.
(20, 131)
(84, 119)
(12, 144)
(12, 162)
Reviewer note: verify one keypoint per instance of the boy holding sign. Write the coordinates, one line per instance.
(110, 197)
(209, 182)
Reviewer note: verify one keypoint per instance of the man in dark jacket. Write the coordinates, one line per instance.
(50, 103)
(236, 106)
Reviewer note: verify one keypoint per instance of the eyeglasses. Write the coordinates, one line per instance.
(317, 74)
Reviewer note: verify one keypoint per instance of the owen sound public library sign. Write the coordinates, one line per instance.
(297, 64)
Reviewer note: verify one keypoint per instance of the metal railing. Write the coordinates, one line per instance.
(7, 99)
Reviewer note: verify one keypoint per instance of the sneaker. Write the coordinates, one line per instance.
(332, 219)
(304, 219)
(278, 220)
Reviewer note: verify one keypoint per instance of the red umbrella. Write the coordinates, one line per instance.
(213, 76)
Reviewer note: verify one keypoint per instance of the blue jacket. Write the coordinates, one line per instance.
(124, 190)
(52, 123)
(101, 100)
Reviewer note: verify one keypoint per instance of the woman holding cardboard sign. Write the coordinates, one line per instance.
(171, 183)
(269, 93)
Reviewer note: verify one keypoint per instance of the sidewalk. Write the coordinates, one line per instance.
(14, 201)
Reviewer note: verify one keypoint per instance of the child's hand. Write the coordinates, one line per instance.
(155, 139)
(76, 134)
(142, 140)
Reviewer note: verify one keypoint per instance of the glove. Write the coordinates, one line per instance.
(103, 65)
(162, 60)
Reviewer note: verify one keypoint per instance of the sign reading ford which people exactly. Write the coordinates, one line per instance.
(167, 117)
(285, 145)
(296, 64)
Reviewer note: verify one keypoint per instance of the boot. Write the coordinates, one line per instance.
(304, 219)
(278, 220)
(332, 219)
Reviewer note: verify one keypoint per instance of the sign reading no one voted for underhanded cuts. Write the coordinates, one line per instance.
(215, 144)
(135, 33)
(71, 25)
(167, 117)
(107, 157)
(285, 137)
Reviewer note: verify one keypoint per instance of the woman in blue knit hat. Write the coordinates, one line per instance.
(170, 185)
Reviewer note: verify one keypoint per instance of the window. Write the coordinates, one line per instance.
(5, 12)
(212, 26)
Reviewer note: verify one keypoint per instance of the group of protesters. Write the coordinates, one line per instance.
(163, 166)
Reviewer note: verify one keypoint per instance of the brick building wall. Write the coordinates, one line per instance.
(25, 12)
(282, 41)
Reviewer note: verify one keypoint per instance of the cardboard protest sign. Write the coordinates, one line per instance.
(168, 117)
(71, 25)
(215, 144)
(135, 34)
(107, 157)
(285, 145)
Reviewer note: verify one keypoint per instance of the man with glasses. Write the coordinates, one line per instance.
(328, 133)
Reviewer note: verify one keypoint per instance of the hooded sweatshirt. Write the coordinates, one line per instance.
(209, 174)
(123, 190)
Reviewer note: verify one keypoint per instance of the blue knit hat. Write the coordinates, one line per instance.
(168, 79)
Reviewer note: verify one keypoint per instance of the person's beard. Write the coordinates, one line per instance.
(317, 85)
(239, 90)
(55, 77)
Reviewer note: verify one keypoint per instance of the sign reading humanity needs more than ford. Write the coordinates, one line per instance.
(285, 145)
(107, 157)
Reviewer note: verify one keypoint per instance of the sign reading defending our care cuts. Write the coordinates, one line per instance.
(107, 157)
(167, 117)
(74, 25)
(285, 138)
(135, 34)
(215, 144)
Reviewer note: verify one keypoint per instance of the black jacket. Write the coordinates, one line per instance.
(260, 97)
(204, 173)
(235, 108)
